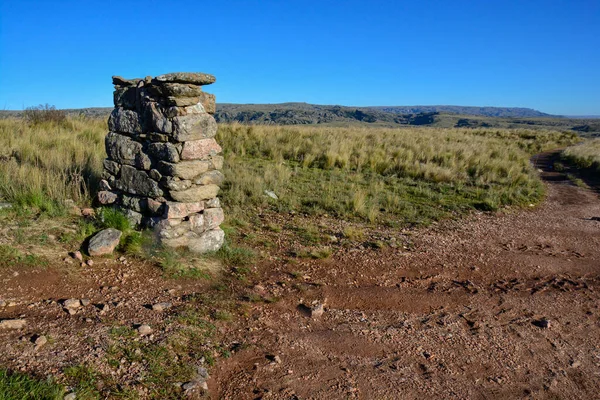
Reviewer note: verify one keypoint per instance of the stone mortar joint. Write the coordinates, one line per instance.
(164, 166)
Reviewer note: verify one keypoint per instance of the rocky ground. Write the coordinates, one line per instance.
(502, 305)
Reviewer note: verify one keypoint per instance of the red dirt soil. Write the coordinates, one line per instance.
(456, 317)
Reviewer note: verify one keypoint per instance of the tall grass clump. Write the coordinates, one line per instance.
(415, 174)
(16, 386)
(585, 155)
(46, 162)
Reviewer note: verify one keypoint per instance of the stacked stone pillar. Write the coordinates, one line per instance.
(163, 165)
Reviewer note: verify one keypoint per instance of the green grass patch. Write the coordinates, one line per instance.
(11, 256)
(17, 386)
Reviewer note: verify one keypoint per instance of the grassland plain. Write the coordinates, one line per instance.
(412, 175)
(367, 176)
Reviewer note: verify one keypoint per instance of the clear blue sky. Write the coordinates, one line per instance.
(527, 53)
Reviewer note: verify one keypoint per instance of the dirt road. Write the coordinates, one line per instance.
(501, 305)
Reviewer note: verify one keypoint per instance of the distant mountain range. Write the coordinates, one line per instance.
(304, 113)
(388, 116)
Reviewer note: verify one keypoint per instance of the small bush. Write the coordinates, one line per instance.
(43, 114)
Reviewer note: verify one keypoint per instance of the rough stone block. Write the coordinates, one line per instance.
(200, 149)
(122, 149)
(213, 217)
(208, 102)
(179, 111)
(173, 89)
(125, 97)
(197, 78)
(154, 118)
(211, 177)
(212, 203)
(164, 151)
(137, 182)
(207, 242)
(184, 169)
(194, 127)
(124, 121)
(181, 210)
(181, 101)
(105, 197)
(196, 193)
(112, 166)
(172, 183)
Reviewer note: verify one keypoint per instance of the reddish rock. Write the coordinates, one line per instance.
(200, 149)
(181, 210)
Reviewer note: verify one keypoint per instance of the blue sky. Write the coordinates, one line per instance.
(528, 53)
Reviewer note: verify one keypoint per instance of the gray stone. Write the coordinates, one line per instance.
(135, 203)
(155, 119)
(5, 205)
(142, 161)
(144, 330)
(213, 217)
(172, 89)
(104, 242)
(217, 162)
(195, 194)
(317, 310)
(125, 97)
(106, 197)
(137, 182)
(211, 177)
(161, 306)
(181, 101)
(198, 78)
(194, 127)
(172, 183)
(207, 242)
(271, 194)
(112, 167)
(179, 111)
(104, 185)
(124, 121)
(158, 137)
(212, 203)
(40, 341)
(72, 304)
(70, 396)
(134, 217)
(164, 151)
(12, 323)
(122, 149)
(184, 169)
(120, 81)
(154, 174)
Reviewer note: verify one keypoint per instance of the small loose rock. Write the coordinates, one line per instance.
(78, 256)
(161, 306)
(145, 330)
(13, 324)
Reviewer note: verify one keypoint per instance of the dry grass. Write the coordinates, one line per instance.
(585, 155)
(415, 175)
(46, 163)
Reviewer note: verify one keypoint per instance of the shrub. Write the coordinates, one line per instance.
(44, 113)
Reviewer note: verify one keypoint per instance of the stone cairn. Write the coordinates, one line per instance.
(163, 165)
